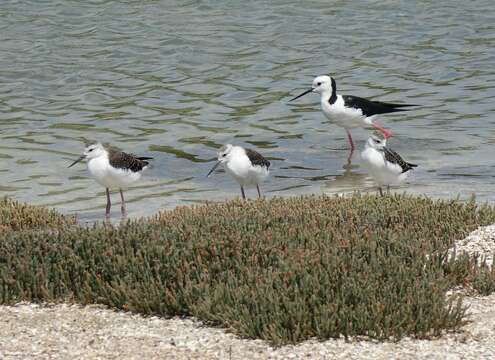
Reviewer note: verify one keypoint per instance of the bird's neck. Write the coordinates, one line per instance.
(329, 96)
(101, 157)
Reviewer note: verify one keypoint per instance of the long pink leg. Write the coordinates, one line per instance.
(349, 137)
(109, 205)
(386, 133)
(122, 205)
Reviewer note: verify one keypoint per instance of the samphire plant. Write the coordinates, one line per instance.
(284, 270)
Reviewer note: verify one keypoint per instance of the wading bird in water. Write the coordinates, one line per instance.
(384, 165)
(246, 166)
(349, 111)
(113, 169)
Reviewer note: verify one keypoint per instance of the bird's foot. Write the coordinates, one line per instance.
(386, 133)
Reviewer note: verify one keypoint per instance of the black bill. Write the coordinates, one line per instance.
(304, 93)
(213, 168)
(80, 159)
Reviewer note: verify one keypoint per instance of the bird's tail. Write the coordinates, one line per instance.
(395, 105)
(408, 167)
(146, 163)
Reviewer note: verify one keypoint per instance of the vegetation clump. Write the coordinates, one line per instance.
(15, 216)
(283, 270)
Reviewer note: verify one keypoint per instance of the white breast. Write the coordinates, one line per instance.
(109, 176)
(340, 115)
(383, 172)
(240, 168)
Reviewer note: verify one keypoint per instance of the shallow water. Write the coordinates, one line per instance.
(176, 80)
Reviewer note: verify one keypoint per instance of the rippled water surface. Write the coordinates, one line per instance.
(176, 80)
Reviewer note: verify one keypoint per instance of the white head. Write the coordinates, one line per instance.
(91, 152)
(94, 151)
(224, 155)
(322, 84)
(376, 142)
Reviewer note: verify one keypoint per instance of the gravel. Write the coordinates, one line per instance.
(480, 241)
(31, 331)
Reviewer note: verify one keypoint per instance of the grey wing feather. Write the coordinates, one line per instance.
(394, 158)
(256, 158)
(122, 160)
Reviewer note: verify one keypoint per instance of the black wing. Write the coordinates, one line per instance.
(256, 158)
(370, 108)
(395, 158)
(122, 160)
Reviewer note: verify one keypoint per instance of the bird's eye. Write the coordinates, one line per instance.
(318, 84)
(224, 155)
(90, 150)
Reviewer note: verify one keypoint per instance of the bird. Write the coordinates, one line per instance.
(113, 169)
(246, 166)
(384, 165)
(349, 111)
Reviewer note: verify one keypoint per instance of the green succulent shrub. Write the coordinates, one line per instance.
(15, 216)
(284, 270)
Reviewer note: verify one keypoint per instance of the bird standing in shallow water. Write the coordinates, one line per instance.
(113, 169)
(349, 111)
(384, 165)
(246, 166)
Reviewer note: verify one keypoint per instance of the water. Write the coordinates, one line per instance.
(176, 80)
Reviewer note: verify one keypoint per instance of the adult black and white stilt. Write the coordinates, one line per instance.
(384, 165)
(349, 111)
(113, 169)
(246, 166)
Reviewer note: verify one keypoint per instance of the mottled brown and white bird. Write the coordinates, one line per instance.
(384, 164)
(246, 166)
(113, 169)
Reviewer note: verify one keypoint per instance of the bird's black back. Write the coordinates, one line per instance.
(370, 108)
(395, 158)
(122, 160)
(257, 159)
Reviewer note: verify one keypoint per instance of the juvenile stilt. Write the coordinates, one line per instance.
(113, 170)
(384, 165)
(246, 166)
